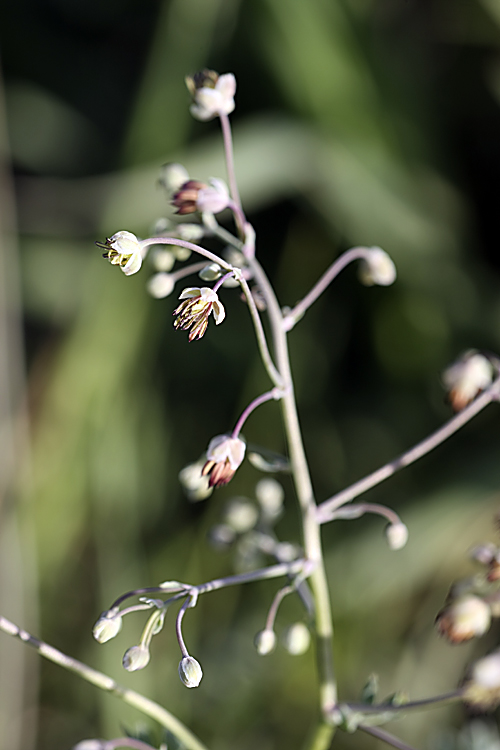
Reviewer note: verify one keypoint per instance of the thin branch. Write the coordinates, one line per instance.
(265, 354)
(190, 246)
(382, 734)
(102, 681)
(231, 172)
(275, 395)
(337, 266)
(325, 509)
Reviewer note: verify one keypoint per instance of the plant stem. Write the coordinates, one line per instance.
(382, 734)
(269, 396)
(303, 486)
(190, 246)
(328, 507)
(102, 681)
(231, 172)
(337, 266)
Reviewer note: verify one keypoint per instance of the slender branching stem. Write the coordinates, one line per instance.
(178, 628)
(337, 266)
(189, 246)
(275, 395)
(231, 172)
(359, 509)
(328, 507)
(385, 736)
(102, 681)
(436, 701)
(265, 354)
(273, 609)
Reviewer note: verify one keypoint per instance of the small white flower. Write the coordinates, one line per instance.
(377, 268)
(212, 94)
(483, 686)
(194, 311)
(161, 285)
(213, 198)
(465, 618)
(224, 455)
(190, 672)
(123, 249)
(468, 376)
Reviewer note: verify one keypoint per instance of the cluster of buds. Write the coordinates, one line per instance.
(466, 378)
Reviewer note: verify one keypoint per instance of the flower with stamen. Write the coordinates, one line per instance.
(123, 249)
(224, 455)
(194, 195)
(212, 94)
(194, 311)
(467, 377)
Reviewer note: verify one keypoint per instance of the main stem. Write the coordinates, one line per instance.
(311, 528)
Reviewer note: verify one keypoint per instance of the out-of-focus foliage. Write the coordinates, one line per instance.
(357, 122)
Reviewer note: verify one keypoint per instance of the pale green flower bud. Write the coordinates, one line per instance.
(195, 484)
(161, 285)
(190, 672)
(173, 176)
(163, 260)
(270, 494)
(377, 268)
(181, 253)
(241, 514)
(296, 638)
(265, 642)
(396, 535)
(211, 272)
(190, 232)
(136, 657)
(286, 551)
(107, 626)
(91, 745)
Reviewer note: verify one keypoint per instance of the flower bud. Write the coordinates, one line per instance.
(286, 552)
(173, 176)
(211, 272)
(270, 494)
(467, 377)
(107, 626)
(296, 638)
(265, 642)
(396, 535)
(377, 268)
(195, 485)
(465, 618)
(241, 514)
(221, 536)
(190, 672)
(163, 260)
(190, 232)
(482, 688)
(161, 285)
(136, 657)
(91, 745)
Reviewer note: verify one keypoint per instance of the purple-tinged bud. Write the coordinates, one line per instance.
(465, 618)
(484, 554)
(265, 642)
(190, 672)
(224, 456)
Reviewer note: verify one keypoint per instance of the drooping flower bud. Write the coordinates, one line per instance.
(212, 94)
(465, 618)
(124, 250)
(296, 638)
(467, 377)
(482, 687)
(224, 455)
(241, 514)
(396, 535)
(161, 285)
(211, 272)
(265, 642)
(190, 672)
(136, 657)
(185, 199)
(377, 268)
(107, 626)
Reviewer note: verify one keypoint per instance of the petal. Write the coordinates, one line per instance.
(219, 312)
(133, 264)
(192, 291)
(226, 85)
(209, 295)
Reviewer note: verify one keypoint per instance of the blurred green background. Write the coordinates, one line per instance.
(358, 122)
